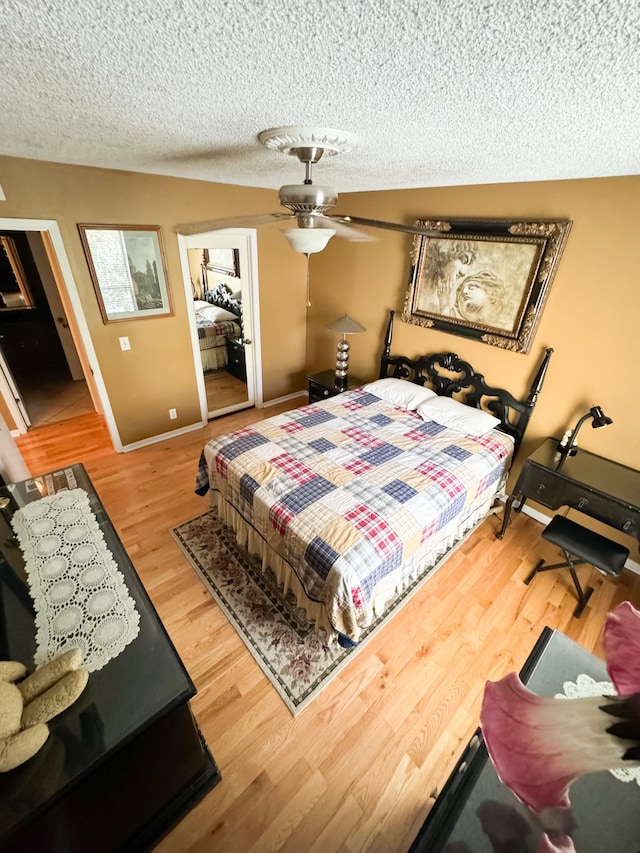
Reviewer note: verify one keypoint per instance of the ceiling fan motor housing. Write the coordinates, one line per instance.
(307, 198)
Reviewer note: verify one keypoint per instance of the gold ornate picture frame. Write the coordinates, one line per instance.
(486, 279)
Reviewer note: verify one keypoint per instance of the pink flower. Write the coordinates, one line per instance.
(539, 745)
(621, 643)
(300, 667)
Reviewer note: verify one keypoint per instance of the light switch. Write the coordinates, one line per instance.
(124, 344)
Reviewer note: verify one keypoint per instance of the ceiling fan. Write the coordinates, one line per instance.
(308, 203)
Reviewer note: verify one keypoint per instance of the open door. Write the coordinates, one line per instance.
(220, 277)
(11, 396)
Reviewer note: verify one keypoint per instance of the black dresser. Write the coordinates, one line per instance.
(126, 761)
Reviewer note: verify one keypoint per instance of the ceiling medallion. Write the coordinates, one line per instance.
(288, 139)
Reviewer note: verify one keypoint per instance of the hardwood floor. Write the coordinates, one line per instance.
(223, 390)
(357, 770)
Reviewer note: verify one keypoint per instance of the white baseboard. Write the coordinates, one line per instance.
(545, 519)
(284, 399)
(154, 439)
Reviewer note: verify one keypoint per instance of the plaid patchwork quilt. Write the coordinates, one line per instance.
(212, 334)
(353, 492)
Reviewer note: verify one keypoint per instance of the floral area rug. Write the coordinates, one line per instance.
(298, 661)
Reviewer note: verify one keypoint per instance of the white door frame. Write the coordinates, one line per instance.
(66, 284)
(250, 317)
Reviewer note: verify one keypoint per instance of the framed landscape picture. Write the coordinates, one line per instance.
(128, 270)
(486, 279)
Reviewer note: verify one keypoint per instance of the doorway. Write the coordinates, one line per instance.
(73, 331)
(221, 280)
(38, 357)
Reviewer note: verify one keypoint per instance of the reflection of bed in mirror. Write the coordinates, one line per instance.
(217, 299)
(218, 318)
(214, 325)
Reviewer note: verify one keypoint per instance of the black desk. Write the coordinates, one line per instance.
(125, 761)
(596, 486)
(606, 811)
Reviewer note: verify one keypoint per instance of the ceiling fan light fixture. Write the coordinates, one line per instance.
(309, 240)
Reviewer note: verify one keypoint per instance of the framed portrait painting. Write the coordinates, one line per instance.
(485, 279)
(128, 270)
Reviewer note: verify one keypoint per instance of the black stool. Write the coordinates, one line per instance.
(581, 545)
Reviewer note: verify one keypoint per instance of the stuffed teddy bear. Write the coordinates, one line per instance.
(28, 703)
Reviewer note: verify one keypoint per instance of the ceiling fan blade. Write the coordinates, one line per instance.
(249, 221)
(344, 230)
(388, 226)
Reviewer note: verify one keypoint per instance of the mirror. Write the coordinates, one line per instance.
(14, 290)
(128, 270)
(216, 282)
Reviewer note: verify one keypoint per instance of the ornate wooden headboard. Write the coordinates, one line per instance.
(449, 375)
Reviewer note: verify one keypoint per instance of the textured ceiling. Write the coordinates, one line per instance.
(463, 92)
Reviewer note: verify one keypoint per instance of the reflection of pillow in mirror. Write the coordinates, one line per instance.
(453, 414)
(237, 296)
(399, 392)
(215, 314)
(199, 303)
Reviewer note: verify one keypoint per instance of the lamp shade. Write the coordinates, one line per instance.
(346, 326)
(568, 447)
(309, 240)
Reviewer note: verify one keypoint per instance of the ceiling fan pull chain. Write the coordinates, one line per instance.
(308, 292)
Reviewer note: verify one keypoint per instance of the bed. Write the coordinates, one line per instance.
(351, 499)
(218, 317)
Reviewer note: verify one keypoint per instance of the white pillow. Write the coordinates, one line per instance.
(215, 314)
(455, 415)
(399, 392)
(199, 303)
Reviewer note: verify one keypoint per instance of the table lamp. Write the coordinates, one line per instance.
(345, 326)
(599, 420)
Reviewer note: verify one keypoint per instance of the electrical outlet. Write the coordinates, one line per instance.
(124, 344)
(173, 414)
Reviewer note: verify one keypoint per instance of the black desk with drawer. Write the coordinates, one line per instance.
(598, 487)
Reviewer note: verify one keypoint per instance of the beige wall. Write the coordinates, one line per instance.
(158, 372)
(591, 318)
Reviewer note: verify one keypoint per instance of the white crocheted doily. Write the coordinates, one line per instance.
(80, 597)
(584, 685)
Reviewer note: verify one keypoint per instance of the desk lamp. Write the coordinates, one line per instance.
(345, 326)
(599, 420)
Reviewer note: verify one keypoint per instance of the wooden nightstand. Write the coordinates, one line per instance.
(323, 385)
(236, 364)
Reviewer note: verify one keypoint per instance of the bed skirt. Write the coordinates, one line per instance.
(214, 358)
(386, 590)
